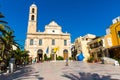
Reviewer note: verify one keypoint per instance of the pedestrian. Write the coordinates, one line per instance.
(66, 61)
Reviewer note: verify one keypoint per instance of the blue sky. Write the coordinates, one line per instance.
(77, 17)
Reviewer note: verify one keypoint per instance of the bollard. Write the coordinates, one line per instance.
(11, 65)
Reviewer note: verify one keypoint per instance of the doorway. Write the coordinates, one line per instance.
(65, 54)
(39, 55)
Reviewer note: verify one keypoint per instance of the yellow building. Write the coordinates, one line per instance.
(115, 31)
(113, 39)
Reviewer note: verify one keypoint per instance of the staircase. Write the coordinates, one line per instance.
(107, 60)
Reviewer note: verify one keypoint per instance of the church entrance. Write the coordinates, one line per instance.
(65, 54)
(39, 55)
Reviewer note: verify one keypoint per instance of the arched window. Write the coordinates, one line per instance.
(32, 17)
(33, 10)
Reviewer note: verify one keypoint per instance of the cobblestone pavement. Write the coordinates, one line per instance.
(58, 71)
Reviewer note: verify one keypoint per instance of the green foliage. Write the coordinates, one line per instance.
(45, 57)
(115, 54)
(21, 56)
(90, 59)
(6, 42)
(1, 21)
(49, 58)
(70, 58)
(118, 59)
(60, 58)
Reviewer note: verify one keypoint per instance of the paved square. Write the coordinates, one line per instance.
(58, 71)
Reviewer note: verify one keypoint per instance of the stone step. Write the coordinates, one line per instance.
(107, 60)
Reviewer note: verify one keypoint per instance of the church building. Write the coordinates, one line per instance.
(52, 42)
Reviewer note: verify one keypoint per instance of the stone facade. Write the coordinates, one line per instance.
(50, 42)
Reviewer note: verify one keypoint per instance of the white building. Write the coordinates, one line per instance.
(81, 45)
(115, 20)
(51, 42)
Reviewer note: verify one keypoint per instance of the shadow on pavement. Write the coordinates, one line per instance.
(21, 74)
(87, 76)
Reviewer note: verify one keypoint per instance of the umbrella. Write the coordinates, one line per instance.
(80, 57)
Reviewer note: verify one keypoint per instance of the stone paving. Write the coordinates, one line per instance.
(58, 71)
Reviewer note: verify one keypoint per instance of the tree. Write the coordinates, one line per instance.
(21, 56)
(2, 16)
(2, 31)
(3, 25)
(6, 42)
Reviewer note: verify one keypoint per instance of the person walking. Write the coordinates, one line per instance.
(66, 61)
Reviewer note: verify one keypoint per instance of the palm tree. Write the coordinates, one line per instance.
(21, 56)
(3, 25)
(2, 16)
(6, 41)
(25, 56)
(3, 29)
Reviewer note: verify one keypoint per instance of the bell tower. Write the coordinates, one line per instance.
(32, 22)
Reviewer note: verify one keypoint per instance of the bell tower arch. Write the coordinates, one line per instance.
(32, 22)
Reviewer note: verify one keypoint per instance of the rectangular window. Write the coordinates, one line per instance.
(119, 34)
(31, 41)
(65, 42)
(53, 42)
(40, 41)
(109, 41)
